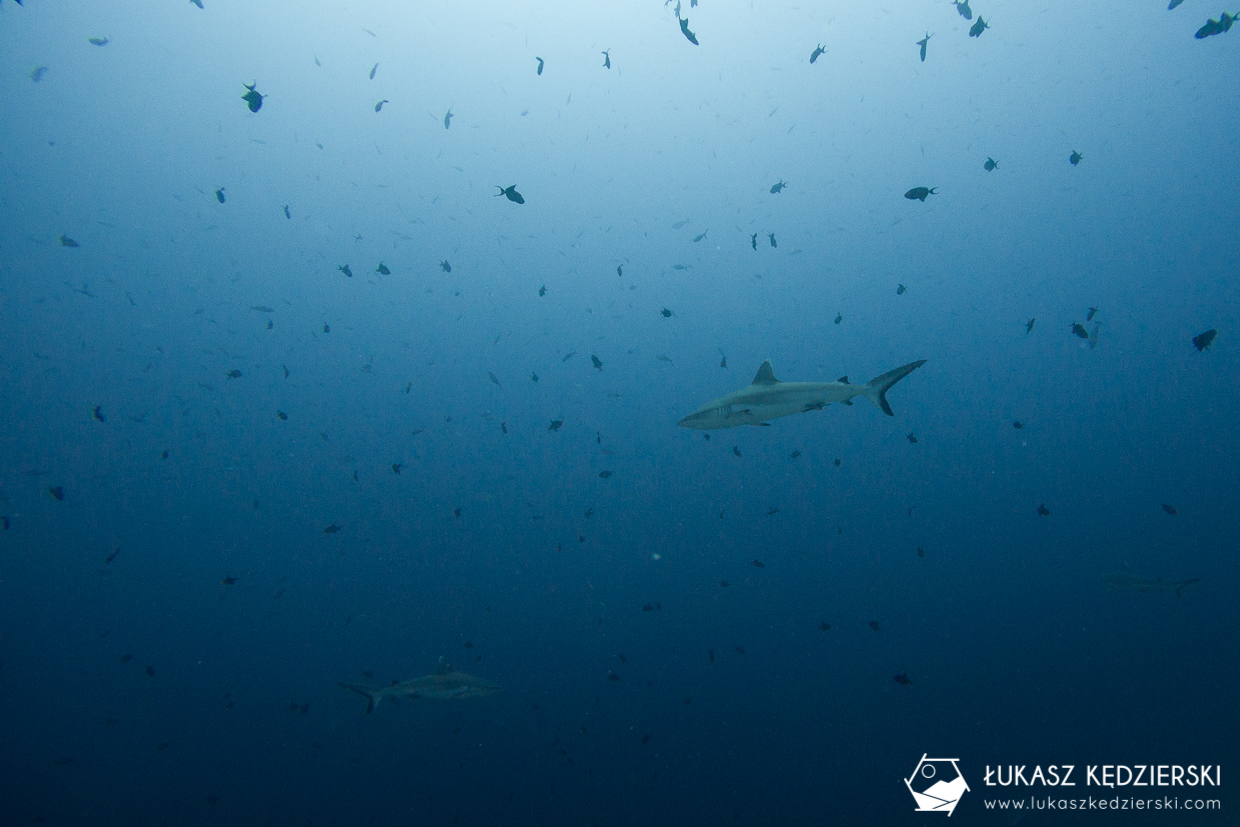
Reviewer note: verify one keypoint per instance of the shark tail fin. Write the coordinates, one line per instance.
(876, 389)
(1183, 584)
(373, 696)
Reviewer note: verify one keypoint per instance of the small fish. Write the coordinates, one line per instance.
(37, 73)
(874, 625)
(1043, 511)
(281, 415)
(1029, 324)
(681, 266)
(1089, 317)
(540, 64)
(900, 290)
(379, 105)
(1170, 509)
(667, 314)
(344, 268)
(773, 242)
(447, 119)
(1079, 330)
(980, 26)
(922, 43)
(991, 165)
(1213, 27)
(228, 581)
(285, 368)
(606, 59)
(219, 195)
(1173, 4)
(702, 236)
(772, 512)
(620, 270)
(652, 607)
(111, 556)
(604, 474)
(456, 512)
(794, 455)
(555, 425)
(684, 28)
(252, 98)
(126, 658)
(332, 529)
(736, 450)
(445, 266)
(839, 317)
(510, 193)
(589, 512)
(963, 8)
(383, 270)
(1018, 425)
(65, 241)
(1202, 340)
(753, 241)
(920, 193)
(921, 552)
(663, 358)
(97, 413)
(819, 52)
(912, 438)
(57, 492)
(97, 41)
(503, 426)
(903, 679)
(740, 650)
(396, 466)
(758, 564)
(1075, 158)
(598, 364)
(197, 3)
(778, 188)
(233, 374)
(568, 356)
(837, 462)
(542, 291)
(723, 363)
(287, 214)
(373, 69)
(494, 379)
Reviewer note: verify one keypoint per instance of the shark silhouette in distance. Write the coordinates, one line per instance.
(1128, 581)
(768, 398)
(445, 684)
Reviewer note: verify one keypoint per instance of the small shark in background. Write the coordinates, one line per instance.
(445, 684)
(1128, 581)
(768, 398)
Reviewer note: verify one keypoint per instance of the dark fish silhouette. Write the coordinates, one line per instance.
(920, 193)
(903, 679)
(667, 314)
(839, 317)
(197, 3)
(1079, 330)
(620, 270)
(1170, 509)
(447, 119)
(824, 626)
(542, 291)
(65, 241)
(874, 625)
(773, 242)
(281, 415)
(696, 239)
(758, 564)
(379, 105)
(1043, 511)
(555, 425)
(57, 492)
(540, 64)
(37, 73)
(900, 289)
(344, 268)
(963, 8)
(794, 455)
(684, 28)
(494, 378)
(1173, 4)
(97, 413)
(920, 552)
(1202, 340)
(511, 193)
(753, 241)
(383, 270)
(770, 512)
(598, 364)
(228, 581)
(912, 438)
(606, 59)
(233, 374)
(332, 529)
(287, 214)
(819, 52)
(978, 27)
(94, 41)
(1075, 158)
(4, 523)
(922, 43)
(1018, 425)
(779, 187)
(534, 376)
(252, 98)
(373, 69)
(604, 474)
(219, 195)
(445, 266)
(990, 165)
(1213, 27)
(396, 466)
(1029, 324)
(1089, 317)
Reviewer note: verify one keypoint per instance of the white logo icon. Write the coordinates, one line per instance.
(936, 785)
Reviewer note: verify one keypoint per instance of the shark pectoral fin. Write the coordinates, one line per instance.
(846, 402)
(1183, 584)
(876, 389)
(373, 696)
(763, 424)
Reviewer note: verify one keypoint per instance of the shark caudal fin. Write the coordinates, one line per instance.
(1184, 584)
(373, 696)
(876, 389)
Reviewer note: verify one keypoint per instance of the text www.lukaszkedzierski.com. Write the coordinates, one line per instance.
(1091, 803)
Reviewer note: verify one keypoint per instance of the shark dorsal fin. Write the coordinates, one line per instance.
(766, 375)
(843, 380)
(444, 667)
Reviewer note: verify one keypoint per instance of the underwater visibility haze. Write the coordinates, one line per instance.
(345, 348)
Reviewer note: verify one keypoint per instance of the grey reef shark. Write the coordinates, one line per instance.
(1128, 581)
(445, 684)
(768, 398)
